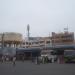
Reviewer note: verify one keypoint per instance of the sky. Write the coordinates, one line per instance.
(43, 16)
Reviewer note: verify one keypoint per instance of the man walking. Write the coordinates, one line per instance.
(14, 59)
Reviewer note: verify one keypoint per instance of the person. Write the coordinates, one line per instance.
(46, 59)
(2, 59)
(14, 59)
(23, 58)
(52, 59)
(43, 59)
(35, 60)
(7, 59)
(39, 60)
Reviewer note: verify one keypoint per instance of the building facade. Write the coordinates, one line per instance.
(37, 42)
(10, 39)
(15, 40)
(64, 38)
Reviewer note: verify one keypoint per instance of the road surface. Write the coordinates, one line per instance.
(29, 68)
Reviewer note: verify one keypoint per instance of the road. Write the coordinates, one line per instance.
(29, 68)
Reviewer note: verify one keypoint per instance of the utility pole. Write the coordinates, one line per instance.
(3, 40)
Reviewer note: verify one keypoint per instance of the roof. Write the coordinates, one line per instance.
(61, 46)
(29, 49)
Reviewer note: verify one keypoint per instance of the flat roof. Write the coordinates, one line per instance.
(28, 49)
(61, 47)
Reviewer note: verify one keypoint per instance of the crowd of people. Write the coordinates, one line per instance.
(43, 60)
(36, 60)
(7, 59)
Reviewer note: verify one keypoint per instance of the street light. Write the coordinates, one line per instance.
(3, 40)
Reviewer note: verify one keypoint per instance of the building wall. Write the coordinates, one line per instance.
(43, 41)
(62, 38)
(10, 39)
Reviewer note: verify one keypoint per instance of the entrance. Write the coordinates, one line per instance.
(27, 55)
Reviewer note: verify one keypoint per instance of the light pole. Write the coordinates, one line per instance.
(3, 40)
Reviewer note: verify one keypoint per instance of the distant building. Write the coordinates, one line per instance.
(37, 42)
(62, 38)
(10, 39)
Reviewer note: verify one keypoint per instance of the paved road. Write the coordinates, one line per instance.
(28, 68)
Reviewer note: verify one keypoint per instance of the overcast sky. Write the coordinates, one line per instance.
(43, 16)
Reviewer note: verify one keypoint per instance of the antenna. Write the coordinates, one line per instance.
(66, 29)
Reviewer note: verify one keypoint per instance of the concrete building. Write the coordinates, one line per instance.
(64, 38)
(16, 40)
(36, 42)
(10, 39)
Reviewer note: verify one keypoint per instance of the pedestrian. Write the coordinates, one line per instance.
(23, 58)
(46, 59)
(39, 59)
(36, 60)
(33, 59)
(14, 59)
(2, 59)
(43, 59)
